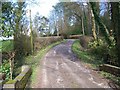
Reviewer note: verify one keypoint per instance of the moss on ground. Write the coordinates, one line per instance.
(10, 82)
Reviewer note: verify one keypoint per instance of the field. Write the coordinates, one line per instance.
(6, 46)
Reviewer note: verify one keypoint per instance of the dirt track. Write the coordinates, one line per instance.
(60, 68)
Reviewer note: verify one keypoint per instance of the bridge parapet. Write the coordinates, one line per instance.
(21, 80)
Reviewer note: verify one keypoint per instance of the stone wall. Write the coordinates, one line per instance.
(110, 69)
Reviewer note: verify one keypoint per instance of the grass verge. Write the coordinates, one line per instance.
(34, 60)
(85, 56)
(92, 61)
(113, 78)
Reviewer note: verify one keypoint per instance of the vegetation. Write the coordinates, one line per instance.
(112, 43)
(7, 46)
(86, 56)
(94, 19)
(5, 68)
(115, 10)
(113, 78)
(93, 60)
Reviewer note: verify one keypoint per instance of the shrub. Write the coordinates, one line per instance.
(84, 41)
(113, 55)
(5, 68)
(41, 42)
(100, 49)
(96, 43)
(105, 52)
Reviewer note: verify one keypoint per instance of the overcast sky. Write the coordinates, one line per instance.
(42, 6)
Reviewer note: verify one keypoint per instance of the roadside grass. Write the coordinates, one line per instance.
(31, 60)
(113, 78)
(85, 56)
(34, 60)
(6, 46)
(93, 61)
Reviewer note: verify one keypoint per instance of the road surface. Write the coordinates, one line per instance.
(60, 68)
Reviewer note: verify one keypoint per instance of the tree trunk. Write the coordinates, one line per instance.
(103, 28)
(31, 34)
(11, 62)
(115, 9)
(83, 30)
(89, 19)
(93, 26)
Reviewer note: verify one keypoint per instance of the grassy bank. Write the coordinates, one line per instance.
(93, 61)
(34, 60)
(85, 56)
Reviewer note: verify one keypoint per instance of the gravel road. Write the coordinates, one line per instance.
(60, 68)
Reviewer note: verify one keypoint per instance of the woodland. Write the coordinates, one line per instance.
(98, 24)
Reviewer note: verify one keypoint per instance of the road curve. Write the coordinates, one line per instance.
(60, 68)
